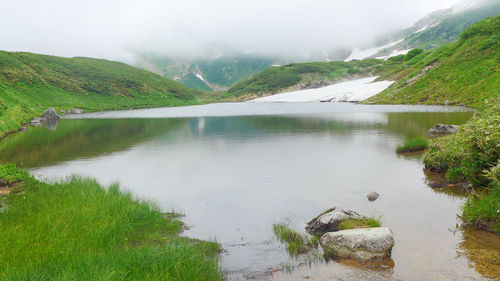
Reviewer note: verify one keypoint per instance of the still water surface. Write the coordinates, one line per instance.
(235, 169)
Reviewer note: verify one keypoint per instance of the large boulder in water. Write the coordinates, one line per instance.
(50, 114)
(441, 129)
(330, 220)
(364, 244)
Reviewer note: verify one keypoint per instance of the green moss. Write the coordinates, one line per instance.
(413, 145)
(359, 223)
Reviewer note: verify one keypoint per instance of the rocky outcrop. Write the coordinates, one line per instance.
(50, 114)
(330, 220)
(372, 196)
(363, 245)
(441, 129)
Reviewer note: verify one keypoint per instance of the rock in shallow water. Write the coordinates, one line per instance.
(50, 114)
(440, 129)
(372, 196)
(330, 221)
(363, 245)
(76, 111)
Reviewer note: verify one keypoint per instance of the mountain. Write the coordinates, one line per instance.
(434, 30)
(212, 74)
(30, 83)
(465, 72)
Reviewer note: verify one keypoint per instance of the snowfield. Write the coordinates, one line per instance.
(350, 91)
(358, 54)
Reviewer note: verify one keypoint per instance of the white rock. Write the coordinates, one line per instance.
(364, 244)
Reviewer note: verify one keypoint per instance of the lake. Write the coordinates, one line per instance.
(235, 169)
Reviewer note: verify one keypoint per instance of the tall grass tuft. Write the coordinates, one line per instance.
(296, 243)
(413, 145)
(78, 230)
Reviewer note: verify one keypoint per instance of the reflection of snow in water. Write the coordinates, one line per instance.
(355, 90)
(358, 54)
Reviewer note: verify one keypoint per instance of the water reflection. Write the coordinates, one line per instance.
(235, 176)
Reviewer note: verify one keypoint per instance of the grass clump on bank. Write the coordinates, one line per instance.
(359, 223)
(473, 155)
(413, 145)
(78, 230)
(296, 243)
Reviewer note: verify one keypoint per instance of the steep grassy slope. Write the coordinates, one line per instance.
(305, 75)
(465, 72)
(29, 83)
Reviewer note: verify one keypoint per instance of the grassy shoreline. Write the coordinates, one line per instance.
(77, 229)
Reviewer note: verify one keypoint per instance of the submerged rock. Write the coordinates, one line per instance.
(76, 111)
(441, 129)
(330, 220)
(372, 196)
(50, 114)
(363, 245)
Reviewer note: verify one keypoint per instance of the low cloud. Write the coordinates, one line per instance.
(119, 29)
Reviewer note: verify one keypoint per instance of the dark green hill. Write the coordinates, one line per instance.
(30, 83)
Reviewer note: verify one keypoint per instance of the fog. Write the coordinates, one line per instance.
(119, 29)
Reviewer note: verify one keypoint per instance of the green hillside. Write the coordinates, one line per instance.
(305, 75)
(465, 72)
(30, 83)
(193, 82)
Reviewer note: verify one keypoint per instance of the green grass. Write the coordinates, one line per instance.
(413, 145)
(78, 230)
(296, 243)
(360, 223)
(30, 83)
(483, 210)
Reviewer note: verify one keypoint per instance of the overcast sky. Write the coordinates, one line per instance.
(116, 29)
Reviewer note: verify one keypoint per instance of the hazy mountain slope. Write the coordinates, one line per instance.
(465, 72)
(29, 83)
(297, 76)
(436, 29)
(217, 73)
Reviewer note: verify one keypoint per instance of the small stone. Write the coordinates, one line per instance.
(76, 111)
(372, 196)
(447, 102)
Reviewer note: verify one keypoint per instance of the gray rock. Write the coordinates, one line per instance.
(76, 111)
(372, 196)
(36, 122)
(441, 129)
(365, 244)
(50, 124)
(63, 111)
(447, 102)
(50, 114)
(330, 221)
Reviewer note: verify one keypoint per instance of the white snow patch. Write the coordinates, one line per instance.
(350, 91)
(358, 54)
(395, 53)
(421, 29)
(276, 65)
(201, 77)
